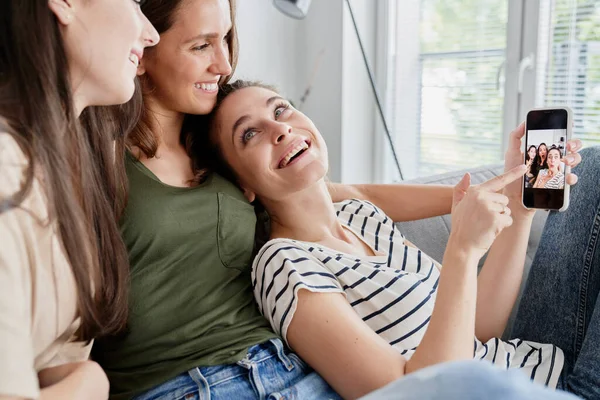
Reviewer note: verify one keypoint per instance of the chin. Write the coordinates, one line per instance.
(123, 93)
(201, 106)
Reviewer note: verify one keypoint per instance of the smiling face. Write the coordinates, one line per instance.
(273, 149)
(554, 159)
(104, 41)
(183, 70)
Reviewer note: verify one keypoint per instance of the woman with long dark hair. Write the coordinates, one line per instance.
(530, 157)
(63, 266)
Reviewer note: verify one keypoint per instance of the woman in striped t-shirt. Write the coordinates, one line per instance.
(364, 306)
(552, 177)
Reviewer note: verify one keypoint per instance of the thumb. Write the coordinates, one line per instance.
(460, 190)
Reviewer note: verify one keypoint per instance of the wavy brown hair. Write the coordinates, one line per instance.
(83, 181)
(162, 14)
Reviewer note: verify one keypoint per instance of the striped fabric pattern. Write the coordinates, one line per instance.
(393, 292)
(556, 182)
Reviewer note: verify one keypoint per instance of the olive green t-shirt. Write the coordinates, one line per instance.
(191, 300)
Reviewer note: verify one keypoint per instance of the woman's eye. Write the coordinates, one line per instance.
(200, 48)
(249, 134)
(279, 111)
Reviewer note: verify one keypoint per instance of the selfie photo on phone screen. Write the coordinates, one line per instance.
(547, 132)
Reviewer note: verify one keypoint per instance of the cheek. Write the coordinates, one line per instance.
(253, 169)
(126, 22)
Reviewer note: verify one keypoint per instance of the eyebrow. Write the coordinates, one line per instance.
(206, 36)
(245, 118)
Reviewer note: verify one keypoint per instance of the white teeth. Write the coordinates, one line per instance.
(295, 150)
(134, 59)
(209, 87)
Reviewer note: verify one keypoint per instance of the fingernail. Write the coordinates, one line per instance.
(570, 159)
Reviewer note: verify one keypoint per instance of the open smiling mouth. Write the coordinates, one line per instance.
(294, 154)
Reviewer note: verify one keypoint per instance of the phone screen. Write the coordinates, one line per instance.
(546, 139)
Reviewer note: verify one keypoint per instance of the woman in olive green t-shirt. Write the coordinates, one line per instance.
(191, 244)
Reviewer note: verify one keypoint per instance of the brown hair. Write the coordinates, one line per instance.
(162, 13)
(207, 156)
(82, 179)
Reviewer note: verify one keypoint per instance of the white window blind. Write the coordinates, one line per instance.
(452, 74)
(568, 65)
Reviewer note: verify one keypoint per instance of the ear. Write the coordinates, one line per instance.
(250, 195)
(63, 10)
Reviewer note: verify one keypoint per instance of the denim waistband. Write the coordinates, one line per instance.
(203, 378)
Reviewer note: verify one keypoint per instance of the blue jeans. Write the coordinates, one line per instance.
(466, 380)
(269, 371)
(559, 305)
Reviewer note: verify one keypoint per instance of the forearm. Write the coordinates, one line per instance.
(401, 202)
(451, 330)
(500, 278)
(84, 381)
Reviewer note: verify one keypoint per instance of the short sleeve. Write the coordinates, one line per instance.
(280, 270)
(71, 352)
(17, 371)
(362, 207)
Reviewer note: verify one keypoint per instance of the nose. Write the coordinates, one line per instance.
(221, 65)
(280, 132)
(150, 34)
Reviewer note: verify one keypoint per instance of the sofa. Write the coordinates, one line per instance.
(431, 234)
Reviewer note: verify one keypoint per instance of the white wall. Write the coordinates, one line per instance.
(358, 101)
(321, 33)
(268, 46)
(321, 49)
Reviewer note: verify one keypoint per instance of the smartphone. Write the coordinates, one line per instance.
(547, 131)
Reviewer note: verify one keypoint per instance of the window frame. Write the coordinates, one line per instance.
(521, 41)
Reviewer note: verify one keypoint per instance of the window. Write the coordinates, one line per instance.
(568, 62)
(458, 78)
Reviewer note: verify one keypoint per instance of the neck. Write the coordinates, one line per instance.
(165, 123)
(307, 215)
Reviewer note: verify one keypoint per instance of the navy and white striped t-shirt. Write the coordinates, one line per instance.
(556, 182)
(393, 292)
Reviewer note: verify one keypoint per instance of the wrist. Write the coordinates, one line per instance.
(518, 210)
(457, 252)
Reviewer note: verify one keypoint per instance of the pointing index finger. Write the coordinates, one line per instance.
(499, 182)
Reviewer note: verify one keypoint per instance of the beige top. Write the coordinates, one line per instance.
(37, 288)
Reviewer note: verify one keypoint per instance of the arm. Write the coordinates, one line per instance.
(401, 202)
(85, 380)
(500, 278)
(451, 329)
(354, 360)
(328, 334)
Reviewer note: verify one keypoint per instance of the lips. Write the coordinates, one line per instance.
(293, 152)
(135, 56)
